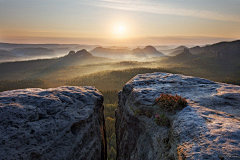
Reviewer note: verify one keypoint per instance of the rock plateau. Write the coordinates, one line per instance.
(58, 124)
(208, 128)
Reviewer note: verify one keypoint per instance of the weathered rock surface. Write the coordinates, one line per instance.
(58, 123)
(208, 128)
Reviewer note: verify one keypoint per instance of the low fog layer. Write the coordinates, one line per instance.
(218, 62)
(20, 52)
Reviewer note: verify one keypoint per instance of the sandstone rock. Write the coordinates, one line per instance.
(58, 123)
(208, 128)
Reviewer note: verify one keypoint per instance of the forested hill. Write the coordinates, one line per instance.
(221, 49)
(79, 58)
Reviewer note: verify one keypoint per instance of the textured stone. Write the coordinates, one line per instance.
(208, 128)
(58, 123)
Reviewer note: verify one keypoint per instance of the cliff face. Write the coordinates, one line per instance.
(59, 123)
(208, 128)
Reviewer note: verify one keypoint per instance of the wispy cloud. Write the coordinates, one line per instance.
(152, 6)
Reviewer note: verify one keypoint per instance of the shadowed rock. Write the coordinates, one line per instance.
(79, 54)
(58, 123)
(71, 53)
(208, 128)
(83, 53)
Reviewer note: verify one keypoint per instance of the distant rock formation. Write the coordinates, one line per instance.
(71, 53)
(226, 50)
(186, 51)
(139, 53)
(197, 50)
(97, 49)
(79, 54)
(174, 51)
(208, 128)
(184, 56)
(58, 123)
(177, 50)
(150, 51)
(111, 52)
(83, 53)
(115, 52)
(223, 50)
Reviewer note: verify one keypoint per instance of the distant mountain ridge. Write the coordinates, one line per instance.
(4, 53)
(16, 45)
(148, 51)
(81, 57)
(221, 58)
(174, 51)
(224, 49)
(184, 56)
(82, 53)
(39, 51)
(138, 53)
(109, 52)
(228, 50)
(221, 49)
(7, 56)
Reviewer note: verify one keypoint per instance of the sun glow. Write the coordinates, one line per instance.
(120, 30)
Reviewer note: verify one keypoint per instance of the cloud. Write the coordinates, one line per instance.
(152, 6)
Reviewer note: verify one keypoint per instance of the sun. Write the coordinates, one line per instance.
(120, 30)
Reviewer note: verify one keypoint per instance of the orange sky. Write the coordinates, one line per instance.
(115, 22)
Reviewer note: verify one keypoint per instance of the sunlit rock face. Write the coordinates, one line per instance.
(58, 123)
(207, 128)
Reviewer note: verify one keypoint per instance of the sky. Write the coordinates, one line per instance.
(119, 22)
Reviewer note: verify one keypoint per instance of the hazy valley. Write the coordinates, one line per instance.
(218, 62)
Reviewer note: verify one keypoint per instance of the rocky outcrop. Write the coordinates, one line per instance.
(58, 123)
(151, 51)
(184, 56)
(71, 53)
(207, 128)
(79, 54)
(138, 53)
(122, 52)
(83, 53)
